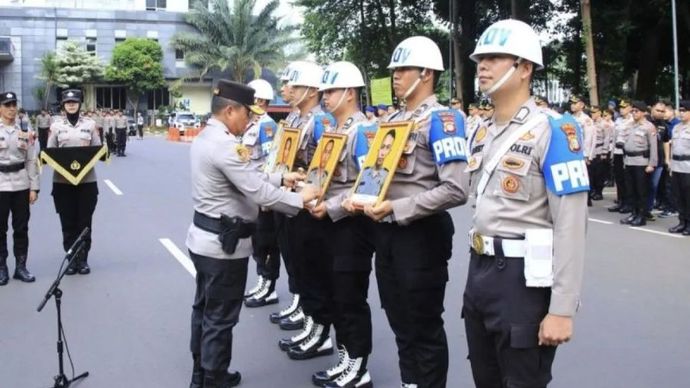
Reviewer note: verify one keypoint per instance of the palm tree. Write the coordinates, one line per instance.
(50, 73)
(234, 40)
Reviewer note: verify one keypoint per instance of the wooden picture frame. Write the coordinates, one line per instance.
(380, 164)
(289, 144)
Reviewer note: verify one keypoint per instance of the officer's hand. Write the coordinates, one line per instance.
(379, 212)
(349, 206)
(649, 169)
(291, 178)
(33, 196)
(555, 330)
(319, 211)
(309, 193)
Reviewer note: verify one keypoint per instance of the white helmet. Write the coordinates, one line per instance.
(510, 37)
(262, 89)
(285, 74)
(341, 75)
(305, 74)
(417, 51)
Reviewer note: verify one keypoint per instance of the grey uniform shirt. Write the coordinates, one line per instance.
(225, 183)
(43, 121)
(680, 146)
(16, 146)
(589, 131)
(621, 130)
(64, 134)
(420, 187)
(642, 138)
(601, 138)
(307, 145)
(120, 122)
(346, 171)
(516, 199)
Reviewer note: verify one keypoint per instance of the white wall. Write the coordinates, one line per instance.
(125, 5)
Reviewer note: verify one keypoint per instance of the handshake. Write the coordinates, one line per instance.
(309, 192)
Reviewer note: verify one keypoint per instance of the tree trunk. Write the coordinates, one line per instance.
(467, 11)
(46, 94)
(519, 9)
(589, 47)
(648, 64)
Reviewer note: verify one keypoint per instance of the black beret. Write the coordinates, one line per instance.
(237, 92)
(71, 95)
(8, 97)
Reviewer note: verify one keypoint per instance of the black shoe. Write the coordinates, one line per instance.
(286, 312)
(21, 273)
(259, 285)
(614, 208)
(317, 344)
(324, 377)
(83, 267)
(294, 322)
(649, 216)
(197, 373)
(625, 209)
(638, 221)
(4, 275)
(221, 379)
(354, 376)
(627, 220)
(589, 201)
(686, 232)
(267, 295)
(678, 228)
(597, 197)
(286, 343)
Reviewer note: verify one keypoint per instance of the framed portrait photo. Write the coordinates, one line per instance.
(379, 166)
(270, 163)
(287, 151)
(325, 160)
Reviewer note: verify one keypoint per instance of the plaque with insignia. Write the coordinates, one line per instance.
(381, 163)
(73, 163)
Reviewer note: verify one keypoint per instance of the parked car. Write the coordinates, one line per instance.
(131, 126)
(182, 120)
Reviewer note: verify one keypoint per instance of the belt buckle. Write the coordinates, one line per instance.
(478, 243)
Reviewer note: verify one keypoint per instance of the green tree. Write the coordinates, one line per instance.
(76, 66)
(49, 75)
(136, 64)
(234, 40)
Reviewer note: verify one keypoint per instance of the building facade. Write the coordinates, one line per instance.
(31, 28)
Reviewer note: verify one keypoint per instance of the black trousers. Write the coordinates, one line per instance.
(619, 178)
(121, 139)
(352, 250)
(314, 262)
(110, 140)
(216, 310)
(412, 272)
(140, 131)
(43, 137)
(265, 243)
(681, 190)
(597, 169)
(75, 206)
(502, 318)
(16, 203)
(637, 185)
(287, 241)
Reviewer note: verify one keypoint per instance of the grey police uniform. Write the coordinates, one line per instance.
(120, 123)
(640, 150)
(515, 200)
(598, 156)
(680, 170)
(224, 183)
(43, 124)
(621, 130)
(18, 175)
(413, 246)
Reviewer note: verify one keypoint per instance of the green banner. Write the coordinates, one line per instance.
(381, 91)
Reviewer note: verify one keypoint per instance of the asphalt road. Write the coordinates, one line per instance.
(128, 322)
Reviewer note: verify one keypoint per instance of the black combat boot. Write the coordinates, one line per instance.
(640, 219)
(354, 376)
(82, 264)
(286, 312)
(21, 273)
(678, 228)
(221, 379)
(266, 295)
(197, 373)
(318, 343)
(324, 377)
(4, 274)
(627, 220)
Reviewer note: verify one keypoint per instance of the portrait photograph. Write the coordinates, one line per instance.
(380, 164)
(289, 142)
(325, 160)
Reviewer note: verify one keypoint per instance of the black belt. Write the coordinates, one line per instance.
(681, 158)
(620, 145)
(209, 224)
(12, 167)
(637, 153)
(599, 144)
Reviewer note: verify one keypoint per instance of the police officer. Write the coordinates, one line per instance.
(524, 277)
(108, 125)
(413, 232)
(473, 120)
(227, 194)
(43, 124)
(621, 129)
(598, 157)
(680, 168)
(120, 123)
(75, 204)
(350, 249)
(307, 241)
(18, 187)
(259, 140)
(640, 150)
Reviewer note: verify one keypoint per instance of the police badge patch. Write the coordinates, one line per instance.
(448, 120)
(571, 134)
(242, 152)
(481, 135)
(510, 184)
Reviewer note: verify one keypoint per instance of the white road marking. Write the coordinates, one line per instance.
(601, 221)
(656, 232)
(179, 255)
(112, 187)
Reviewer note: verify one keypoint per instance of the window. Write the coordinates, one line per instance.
(153, 35)
(158, 98)
(91, 46)
(120, 36)
(152, 5)
(59, 42)
(111, 97)
(179, 55)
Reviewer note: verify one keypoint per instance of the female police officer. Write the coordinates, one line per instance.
(75, 204)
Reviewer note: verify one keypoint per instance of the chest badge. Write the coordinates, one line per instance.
(571, 133)
(75, 166)
(242, 152)
(510, 185)
(481, 135)
(528, 136)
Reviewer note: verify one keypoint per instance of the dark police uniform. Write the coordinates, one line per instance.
(539, 182)
(75, 204)
(413, 244)
(18, 176)
(224, 182)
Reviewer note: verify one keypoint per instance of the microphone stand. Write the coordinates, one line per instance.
(61, 380)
